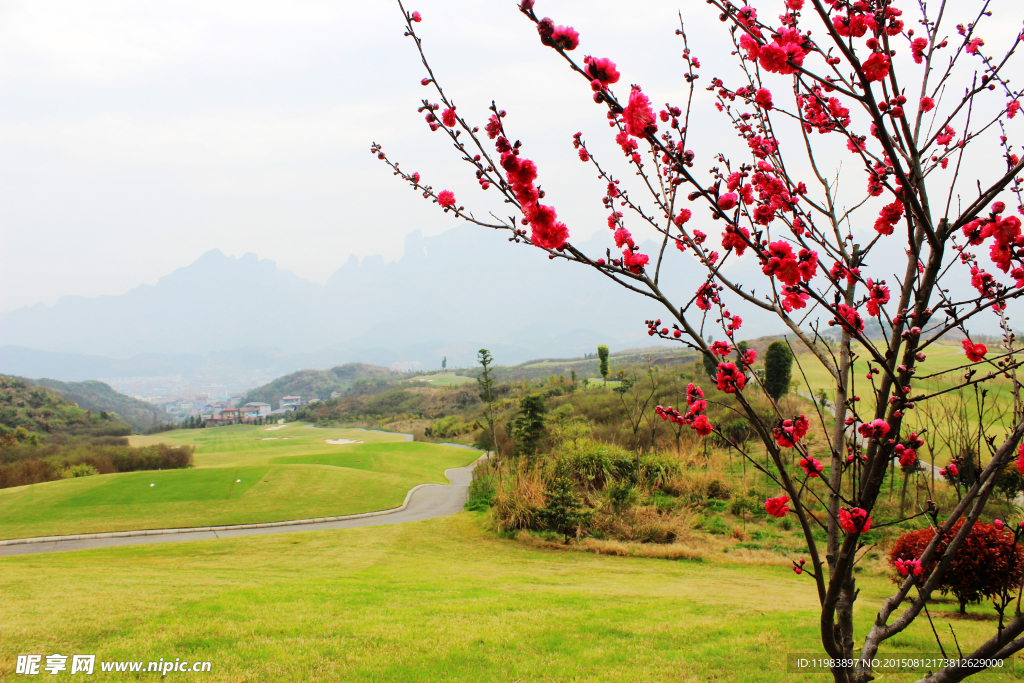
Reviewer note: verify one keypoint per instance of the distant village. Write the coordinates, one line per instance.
(228, 411)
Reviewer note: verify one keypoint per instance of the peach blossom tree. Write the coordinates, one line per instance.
(908, 99)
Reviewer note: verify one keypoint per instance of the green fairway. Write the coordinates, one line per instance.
(243, 474)
(174, 486)
(430, 601)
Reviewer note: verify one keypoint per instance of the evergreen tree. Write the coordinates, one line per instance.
(564, 512)
(602, 353)
(486, 383)
(710, 364)
(778, 369)
(527, 429)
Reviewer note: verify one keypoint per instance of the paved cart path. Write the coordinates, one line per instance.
(423, 502)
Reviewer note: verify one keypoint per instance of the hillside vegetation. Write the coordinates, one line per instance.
(320, 383)
(97, 397)
(44, 437)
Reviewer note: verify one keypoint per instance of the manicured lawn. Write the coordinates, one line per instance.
(240, 478)
(429, 601)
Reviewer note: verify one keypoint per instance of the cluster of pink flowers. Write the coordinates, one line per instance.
(877, 66)
(564, 37)
(908, 567)
(875, 429)
(788, 45)
(975, 352)
(1020, 458)
(878, 296)
(854, 520)
(638, 117)
(888, 217)
(907, 453)
(735, 237)
(1006, 235)
(547, 231)
(730, 378)
(780, 262)
(917, 48)
(707, 295)
(788, 433)
(812, 467)
(848, 318)
(776, 507)
(821, 113)
(694, 416)
(798, 567)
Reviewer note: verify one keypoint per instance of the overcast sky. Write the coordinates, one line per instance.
(136, 136)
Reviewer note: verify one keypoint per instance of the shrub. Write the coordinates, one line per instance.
(481, 493)
(986, 563)
(79, 470)
(622, 495)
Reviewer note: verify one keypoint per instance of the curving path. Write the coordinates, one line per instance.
(425, 501)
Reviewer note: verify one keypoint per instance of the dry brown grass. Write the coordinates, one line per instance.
(518, 498)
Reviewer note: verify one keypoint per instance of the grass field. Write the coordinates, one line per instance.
(442, 379)
(243, 474)
(430, 601)
(941, 358)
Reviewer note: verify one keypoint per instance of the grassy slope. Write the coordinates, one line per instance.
(428, 601)
(280, 480)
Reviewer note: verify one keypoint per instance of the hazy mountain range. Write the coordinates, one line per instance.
(447, 296)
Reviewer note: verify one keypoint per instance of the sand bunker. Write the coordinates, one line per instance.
(341, 441)
(270, 429)
(270, 438)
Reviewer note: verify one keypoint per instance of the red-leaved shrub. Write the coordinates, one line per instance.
(988, 561)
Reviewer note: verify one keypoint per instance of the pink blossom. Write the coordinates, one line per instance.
(1012, 108)
(702, 426)
(776, 507)
(876, 67)
(812, 467)
(908, 567)
(854, 520)
(683, 217)
(638, 115)
(601, 69)
(730, 379)
(448, 117)
(416, 16)
(788, 433)
(888, 217)
(918, 46)
(875, 429)
(927, 104)
(727, 201)
(975, 352)
(763, 99)
(446, 198)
